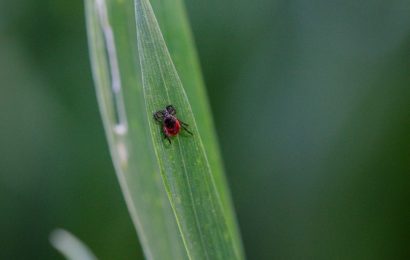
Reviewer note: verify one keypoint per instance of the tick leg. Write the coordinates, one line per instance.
(186, 129)
(182, 123)
(158, 116)
(167, 137)
(184, 126)
(171, 109)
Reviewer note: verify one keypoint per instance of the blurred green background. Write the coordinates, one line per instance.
(312, 107)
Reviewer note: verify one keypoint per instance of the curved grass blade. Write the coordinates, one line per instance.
(184, 166)
(112, 34)
(173, 22)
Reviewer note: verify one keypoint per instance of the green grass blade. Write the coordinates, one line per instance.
(184, 166)
(113, 52)
(174, 26)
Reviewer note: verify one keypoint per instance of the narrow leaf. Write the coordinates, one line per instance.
(173, 22)
(184, 166)
(113, 52)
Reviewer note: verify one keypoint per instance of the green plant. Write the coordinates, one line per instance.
(176, 194)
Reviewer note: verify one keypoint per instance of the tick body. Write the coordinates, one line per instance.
(171, 125)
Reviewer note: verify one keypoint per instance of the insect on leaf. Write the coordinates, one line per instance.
(176, 193)
(184, 166)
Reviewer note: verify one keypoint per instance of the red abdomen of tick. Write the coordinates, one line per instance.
(172, 128)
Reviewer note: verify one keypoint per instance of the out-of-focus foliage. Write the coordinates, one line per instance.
(311, 101)
(312, 106)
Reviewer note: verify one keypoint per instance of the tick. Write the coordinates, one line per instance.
(171, 125)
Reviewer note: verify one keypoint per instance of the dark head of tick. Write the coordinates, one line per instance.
(169, 121)
(171, 125)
